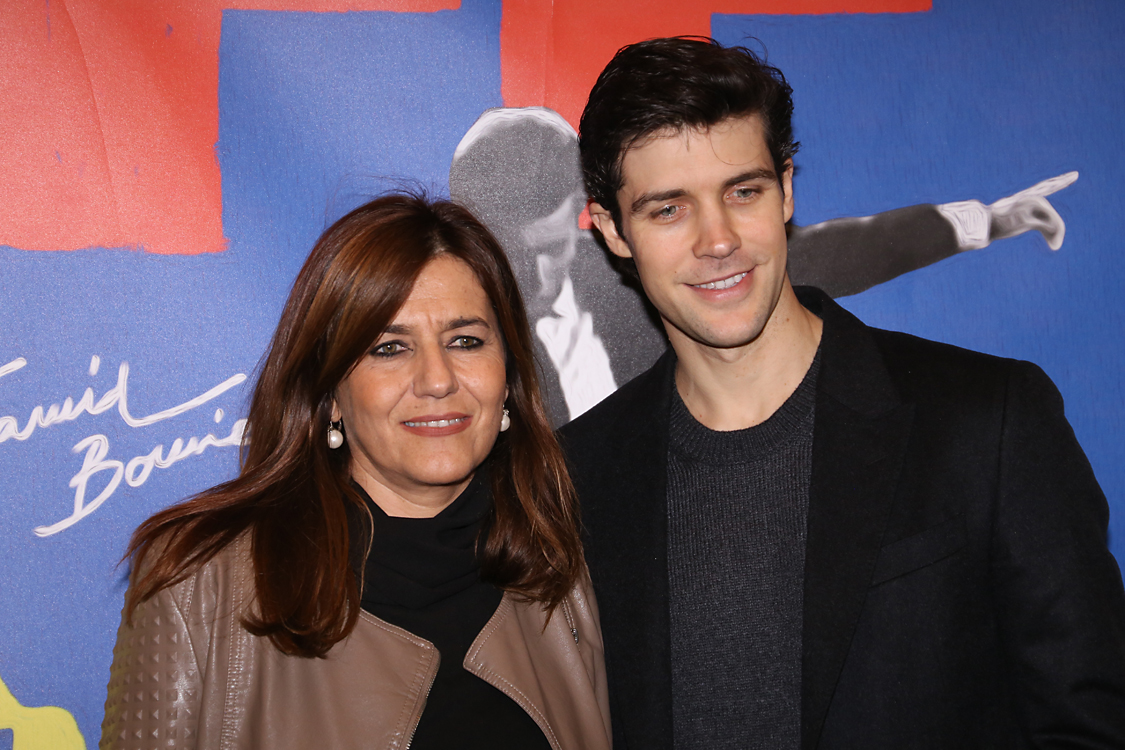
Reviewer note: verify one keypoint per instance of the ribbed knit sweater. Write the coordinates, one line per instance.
(737, 510)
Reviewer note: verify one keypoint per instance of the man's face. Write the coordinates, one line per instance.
(703, 216)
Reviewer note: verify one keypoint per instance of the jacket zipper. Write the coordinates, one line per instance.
(570, 620)
(425, 699)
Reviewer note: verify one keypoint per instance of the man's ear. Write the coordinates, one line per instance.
(603, 220)
(787, 189)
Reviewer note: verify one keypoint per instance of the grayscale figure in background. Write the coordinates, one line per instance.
(850, 255)
(517, 169)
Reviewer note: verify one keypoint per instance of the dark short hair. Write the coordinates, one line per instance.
(671, 84)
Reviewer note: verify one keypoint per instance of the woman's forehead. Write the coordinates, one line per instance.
(446, 292)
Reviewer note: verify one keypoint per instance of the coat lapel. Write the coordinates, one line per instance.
(860, 434)
(630, 570)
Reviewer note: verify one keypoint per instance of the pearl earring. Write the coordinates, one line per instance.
(505, 421)
(335, 434)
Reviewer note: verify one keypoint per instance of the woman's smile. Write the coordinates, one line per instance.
(440, 426)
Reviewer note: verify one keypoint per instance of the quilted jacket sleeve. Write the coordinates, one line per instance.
(155, 681)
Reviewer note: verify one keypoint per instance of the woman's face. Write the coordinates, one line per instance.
(422, 409)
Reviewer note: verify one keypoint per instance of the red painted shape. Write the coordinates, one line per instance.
(110, 120)
(111, 108)
(570, 41)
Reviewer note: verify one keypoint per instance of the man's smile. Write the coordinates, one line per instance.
(726, 283)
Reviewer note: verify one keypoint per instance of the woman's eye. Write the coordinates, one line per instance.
(388, 349)
(466, 342)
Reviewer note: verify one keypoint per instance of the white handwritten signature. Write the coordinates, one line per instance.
(117, 396)
(137, 471)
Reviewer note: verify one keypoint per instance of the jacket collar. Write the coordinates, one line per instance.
(852, 369)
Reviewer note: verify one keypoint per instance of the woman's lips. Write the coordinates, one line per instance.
(438, 425)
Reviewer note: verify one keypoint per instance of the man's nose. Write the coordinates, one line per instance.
(717, 236)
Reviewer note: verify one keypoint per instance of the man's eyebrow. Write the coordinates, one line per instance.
(645, 198)
(753, 174)
(642, 200)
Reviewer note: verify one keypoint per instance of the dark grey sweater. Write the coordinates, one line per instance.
(737, 510)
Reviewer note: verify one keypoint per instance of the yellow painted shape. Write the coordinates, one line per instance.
(38, 728)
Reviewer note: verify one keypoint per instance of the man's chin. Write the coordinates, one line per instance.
(720, 338)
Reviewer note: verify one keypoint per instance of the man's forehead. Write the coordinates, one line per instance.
(738, 140)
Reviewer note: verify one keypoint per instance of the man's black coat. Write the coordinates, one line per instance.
(958, 591)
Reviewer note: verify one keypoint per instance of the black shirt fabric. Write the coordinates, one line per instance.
(737, 513)
(422, 575)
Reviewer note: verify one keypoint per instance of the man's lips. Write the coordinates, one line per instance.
(723, 283)
(438, 425)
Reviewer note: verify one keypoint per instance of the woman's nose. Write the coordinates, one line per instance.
(434, 376)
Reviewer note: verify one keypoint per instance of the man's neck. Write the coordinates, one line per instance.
(736, 388)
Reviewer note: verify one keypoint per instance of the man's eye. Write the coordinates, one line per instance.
(743, 193)
(466, 342)
(388, 349)
(667, 212)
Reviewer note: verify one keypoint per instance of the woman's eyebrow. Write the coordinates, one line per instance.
(465, 323)
(398, 329)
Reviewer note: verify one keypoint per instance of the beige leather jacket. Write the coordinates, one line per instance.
(186, 675)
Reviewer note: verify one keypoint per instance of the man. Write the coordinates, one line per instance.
(518, 169)
(804, 532)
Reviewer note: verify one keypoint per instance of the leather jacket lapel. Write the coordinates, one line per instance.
(560, 682)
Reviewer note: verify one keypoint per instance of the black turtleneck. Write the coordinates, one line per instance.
(423, 575)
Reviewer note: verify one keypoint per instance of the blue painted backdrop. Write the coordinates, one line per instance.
(979, 100)
(971, 100)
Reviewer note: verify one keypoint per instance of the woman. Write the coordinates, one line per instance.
(398, 562)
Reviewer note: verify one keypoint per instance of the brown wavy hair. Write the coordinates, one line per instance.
(292, 493)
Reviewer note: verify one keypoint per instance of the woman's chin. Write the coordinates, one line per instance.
(424, 480)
